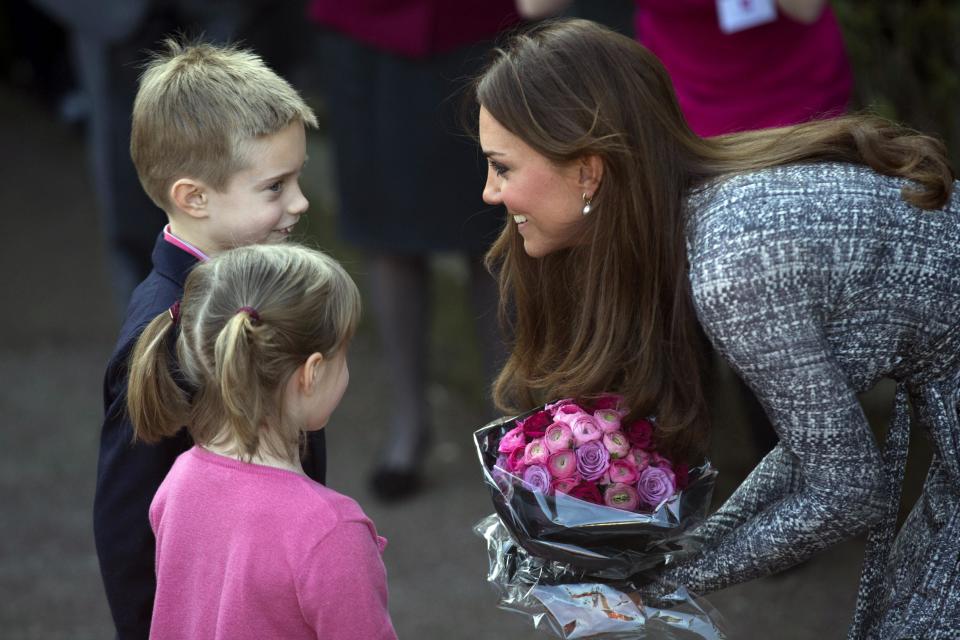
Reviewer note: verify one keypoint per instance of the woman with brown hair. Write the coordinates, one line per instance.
(818, 258)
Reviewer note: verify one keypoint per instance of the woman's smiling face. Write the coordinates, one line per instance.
(542, 199)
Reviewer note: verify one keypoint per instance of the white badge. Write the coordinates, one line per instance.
(737, 15)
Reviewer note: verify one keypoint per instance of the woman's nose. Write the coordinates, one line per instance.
(491, 190)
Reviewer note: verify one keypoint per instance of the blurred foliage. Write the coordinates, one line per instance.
(906, 62)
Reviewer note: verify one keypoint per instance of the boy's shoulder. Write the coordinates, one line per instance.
(161, 288)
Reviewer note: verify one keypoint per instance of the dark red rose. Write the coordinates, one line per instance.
(682, 472)
(536, 425)
(639, 433)
(609, 401)
(588, 492)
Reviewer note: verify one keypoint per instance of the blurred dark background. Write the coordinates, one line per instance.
(58, 323)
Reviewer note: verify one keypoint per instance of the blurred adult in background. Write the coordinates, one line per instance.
(408, 183)
(739, 65)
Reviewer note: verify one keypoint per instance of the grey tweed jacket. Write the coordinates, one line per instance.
(814, 281)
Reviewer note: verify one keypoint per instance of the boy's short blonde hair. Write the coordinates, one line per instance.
(196, 106)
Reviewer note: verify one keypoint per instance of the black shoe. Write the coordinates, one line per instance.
(391, 484)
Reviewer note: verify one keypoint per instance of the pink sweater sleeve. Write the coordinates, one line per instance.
(343, 585)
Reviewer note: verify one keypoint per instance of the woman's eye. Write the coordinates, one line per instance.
(498, 168)
(276, 186)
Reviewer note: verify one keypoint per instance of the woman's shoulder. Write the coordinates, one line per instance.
(803, 183)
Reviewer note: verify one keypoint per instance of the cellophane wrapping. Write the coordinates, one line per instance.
(584, 570)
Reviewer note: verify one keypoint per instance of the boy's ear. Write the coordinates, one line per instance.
(190, 196)
(591, 173)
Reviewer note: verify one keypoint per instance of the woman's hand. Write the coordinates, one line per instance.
(805, 11)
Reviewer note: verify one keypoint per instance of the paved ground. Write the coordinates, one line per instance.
(56, 330)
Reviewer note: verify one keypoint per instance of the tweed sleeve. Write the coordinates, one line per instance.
(760, 290)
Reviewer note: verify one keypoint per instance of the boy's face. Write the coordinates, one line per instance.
(262, 202)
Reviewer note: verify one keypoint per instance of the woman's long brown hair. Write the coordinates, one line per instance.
(615, 313)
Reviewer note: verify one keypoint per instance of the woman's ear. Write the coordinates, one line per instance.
(190, 197)
(591, 174)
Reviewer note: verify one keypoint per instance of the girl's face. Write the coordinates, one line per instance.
(542, 199)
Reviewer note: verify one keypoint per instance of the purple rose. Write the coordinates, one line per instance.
(617, 444)
(501, 478)
(558, 437)
(537, 479)
(655, 485)
(621, 496)
(562, 464)
(592, 460)
(513, 439)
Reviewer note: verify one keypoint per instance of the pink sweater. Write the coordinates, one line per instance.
(771, 75)
(248, 551)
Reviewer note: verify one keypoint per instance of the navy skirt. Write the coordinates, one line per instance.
(408, 173)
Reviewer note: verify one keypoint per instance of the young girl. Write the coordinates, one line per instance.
(247, 545)
(818, 258)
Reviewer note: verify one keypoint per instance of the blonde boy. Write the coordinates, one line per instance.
(218, 142)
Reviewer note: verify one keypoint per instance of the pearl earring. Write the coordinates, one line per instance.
(587, 205)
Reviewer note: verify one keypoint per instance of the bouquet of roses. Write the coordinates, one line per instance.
(587, 508)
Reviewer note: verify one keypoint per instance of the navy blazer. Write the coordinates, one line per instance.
(129, 473)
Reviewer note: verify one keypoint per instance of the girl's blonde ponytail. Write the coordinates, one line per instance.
(240, 387)
(157, 406)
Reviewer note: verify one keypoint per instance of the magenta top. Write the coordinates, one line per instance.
(246, 551)
(415, 28)
(778, 73)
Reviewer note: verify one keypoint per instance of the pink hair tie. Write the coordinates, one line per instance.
(174, 312)
(250, 311)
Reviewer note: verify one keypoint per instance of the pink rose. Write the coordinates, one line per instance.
(534, 425)
(608, 401)
(511, 440)
(562, 464)
(537, 479)
(558, 436)
(592, 460)
(586, 491)
(655, 485)
(607, 419)
(658, 460)
(640, 459)
(622, 471)
(552, 408)
(617, 444)
(567, 413)
(515, 464)
(621, 496)
(585, 429)
(565, 485)
(536, 452)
